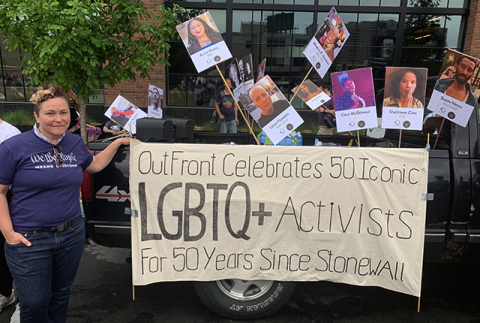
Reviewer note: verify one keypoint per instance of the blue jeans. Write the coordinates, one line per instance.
(227, 126)
(44, 272)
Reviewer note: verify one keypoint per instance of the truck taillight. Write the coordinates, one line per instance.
(87, 185)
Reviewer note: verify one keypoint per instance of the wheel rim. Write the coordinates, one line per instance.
(244, 290)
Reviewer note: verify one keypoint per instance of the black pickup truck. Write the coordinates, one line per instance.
(452, 232)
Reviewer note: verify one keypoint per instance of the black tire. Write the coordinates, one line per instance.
(244, 299)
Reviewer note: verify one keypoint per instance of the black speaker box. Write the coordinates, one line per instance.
(155, 130)
(183, 129)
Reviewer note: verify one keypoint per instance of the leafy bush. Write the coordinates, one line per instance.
(19, 117)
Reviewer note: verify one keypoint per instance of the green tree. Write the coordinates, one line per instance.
(424, 37)
(88, 43)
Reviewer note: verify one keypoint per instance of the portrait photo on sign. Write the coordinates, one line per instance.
(124, 113)
(404, 98)
(271, 110)
(234, 74)
(459, 77)
(199, 33)
(245, 66)
(155, 99)
(311, 94)
(456, 91)
(203, 41)
(327, 42)
(353, 89)
(405, 87)
(332, 34)
(261, 69)
(354, 99)
(266, 97)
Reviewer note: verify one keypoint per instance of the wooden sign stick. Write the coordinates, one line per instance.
(356, 140)
(439, 132)
(358, 136)
(400, 139)
(238, 107)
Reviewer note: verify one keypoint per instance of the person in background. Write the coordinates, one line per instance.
(74, 125)
(328, 107)
(112, 129)
(7, 131)
(43, 226)
(226, 110)
(7, 295)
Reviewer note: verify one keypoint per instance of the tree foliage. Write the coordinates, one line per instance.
(88, 43)
(423, 36)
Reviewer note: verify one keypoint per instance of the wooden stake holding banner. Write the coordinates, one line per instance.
(418, 306)
(133, 292)
(238, 107)
(298, 87)
(439, 133)
(400, 139)
(358, 138)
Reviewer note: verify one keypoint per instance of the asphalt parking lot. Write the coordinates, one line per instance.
(102, 292)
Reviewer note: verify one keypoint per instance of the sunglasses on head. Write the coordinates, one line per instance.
(57, 151)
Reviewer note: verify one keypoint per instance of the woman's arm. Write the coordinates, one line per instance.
(104, 158)
(11, 237)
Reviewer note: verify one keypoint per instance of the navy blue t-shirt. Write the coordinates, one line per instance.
(226, 105)
(42, 194)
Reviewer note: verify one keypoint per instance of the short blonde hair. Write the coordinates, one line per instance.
(45, 92)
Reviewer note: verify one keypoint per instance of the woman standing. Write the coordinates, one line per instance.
(201, 35)
(403, 88)
(43, 226)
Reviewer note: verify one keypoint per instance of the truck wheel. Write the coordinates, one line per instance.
(244, 299)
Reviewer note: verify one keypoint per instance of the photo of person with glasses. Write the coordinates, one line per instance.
(42, 225)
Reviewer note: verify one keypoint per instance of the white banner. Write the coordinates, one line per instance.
(210, 212)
